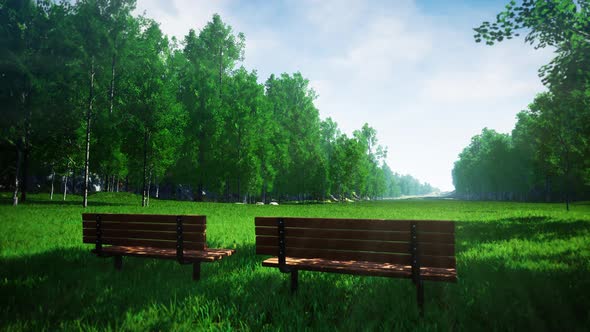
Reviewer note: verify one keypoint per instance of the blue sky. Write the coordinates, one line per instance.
(408, 68)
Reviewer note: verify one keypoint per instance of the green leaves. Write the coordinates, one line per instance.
(185, 115)
(555, 144)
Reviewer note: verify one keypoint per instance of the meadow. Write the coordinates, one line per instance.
(520, 266)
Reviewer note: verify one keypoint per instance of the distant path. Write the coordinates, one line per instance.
(444, 195)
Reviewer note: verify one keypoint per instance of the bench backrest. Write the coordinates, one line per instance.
(145, 230)
(383, 241)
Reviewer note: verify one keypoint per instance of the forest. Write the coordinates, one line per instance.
(96, 98)
(547, 155)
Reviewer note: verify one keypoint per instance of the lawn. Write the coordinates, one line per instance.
(520, 266)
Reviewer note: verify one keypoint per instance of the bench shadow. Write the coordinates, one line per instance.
(518, 228)
(518, 296)
(71, 284)
(523, 270)
(338, 301)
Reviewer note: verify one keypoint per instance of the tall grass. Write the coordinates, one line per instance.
(520, 266)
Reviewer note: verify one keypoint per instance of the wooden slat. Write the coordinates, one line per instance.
(208, 255)
(365, 268)
(432, 261)
(132, 234)
(433, 249)
(145, 243)
(143, 226)
(357, 234)
(437, 226)
(146, 218)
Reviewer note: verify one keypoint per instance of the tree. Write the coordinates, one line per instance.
(239, 160)
(155, 120)
(566, 148)
(23, 43)
(292, 104)
(211, 56)
(91, 34)
(563, 113)
(329, 133)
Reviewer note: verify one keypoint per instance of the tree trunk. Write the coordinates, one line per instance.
(547, 189)
(157, 189)
(567, 187)
(149, 186)
(264, 190)
(220, 71)
(200, 187)
(88, 117)
(17, 173)
(144, 193)
(239, 184)
(112, 90)
(26, 149)
(303, 183)
(52, 181)
(65, 184)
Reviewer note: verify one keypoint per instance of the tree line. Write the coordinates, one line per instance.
(547, 155)
(88, 88)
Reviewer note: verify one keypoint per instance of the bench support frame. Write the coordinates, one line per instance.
(416, 279)
(294, 280)
(282, 257)
(98, 234)
(196, 271)
(118, 262)
(282, 247)
(179, 240)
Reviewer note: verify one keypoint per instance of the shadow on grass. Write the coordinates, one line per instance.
(496, 295)
(72, 285)
(515, 228)
(47, 289)
(539, 283)
(75, 285)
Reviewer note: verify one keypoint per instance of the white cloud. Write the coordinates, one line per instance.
(177, 17)
(388, 43)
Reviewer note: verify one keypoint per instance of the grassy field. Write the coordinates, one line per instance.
(520, 266)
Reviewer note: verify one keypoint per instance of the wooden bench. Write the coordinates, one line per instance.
(414, 249)
(150, 235)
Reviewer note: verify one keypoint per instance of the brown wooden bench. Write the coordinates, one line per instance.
(414, 249)
(150, 235)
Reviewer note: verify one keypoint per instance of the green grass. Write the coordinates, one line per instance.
(520, 266)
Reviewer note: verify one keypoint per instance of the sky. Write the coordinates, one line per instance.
(409, 68)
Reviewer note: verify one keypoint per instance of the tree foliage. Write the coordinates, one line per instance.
(91, 90)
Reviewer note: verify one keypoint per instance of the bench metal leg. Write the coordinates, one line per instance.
(294, 280)
(197, 271)
(118, 263)
(420, 296)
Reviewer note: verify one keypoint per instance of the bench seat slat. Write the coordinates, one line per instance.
(365, 268)
(143, 226)
(357, 234)
(433, 249)
(145, 243)
(377, 257)
(436, 226)
(207, 255)
(146, 218)
(151, 235)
